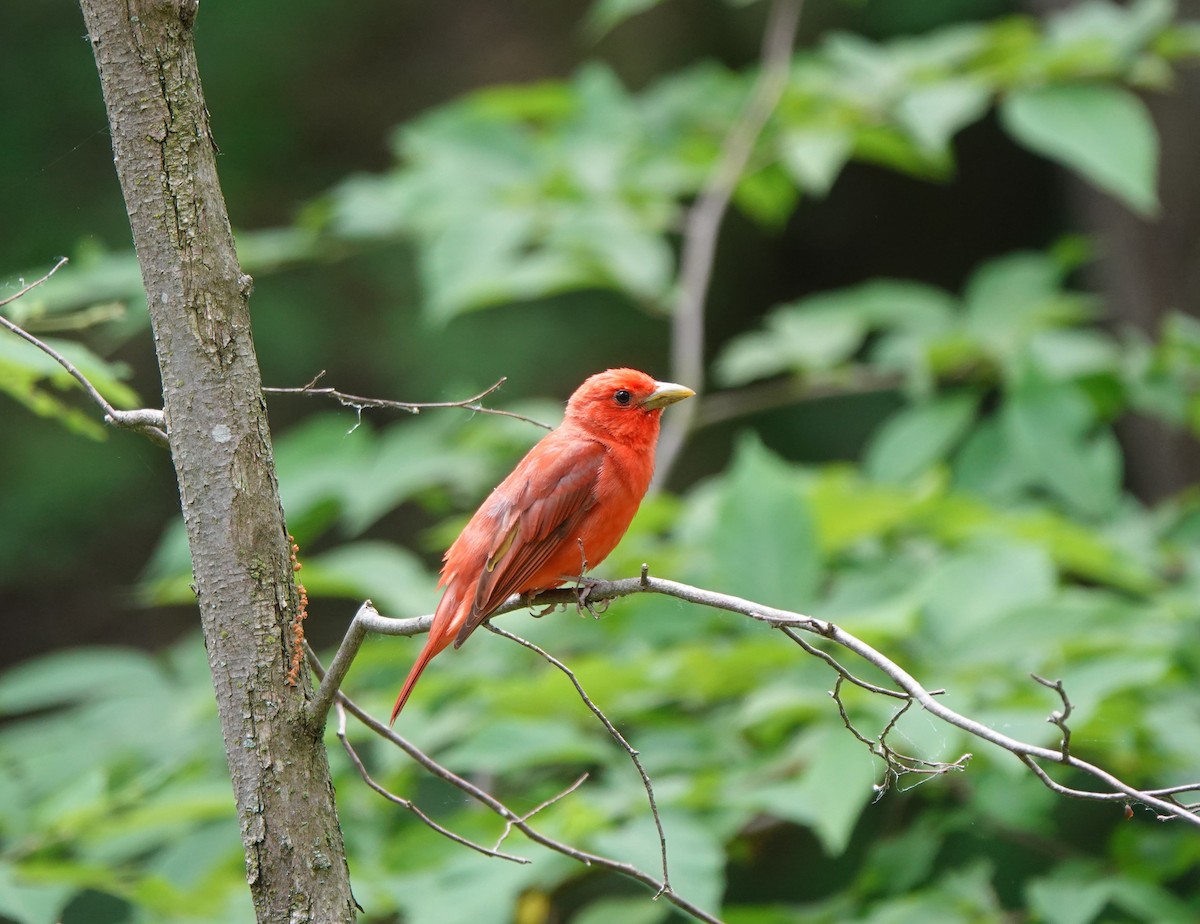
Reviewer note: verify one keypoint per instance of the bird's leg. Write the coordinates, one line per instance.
(583, 589)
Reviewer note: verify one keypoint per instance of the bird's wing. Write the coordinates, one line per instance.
(552, 502)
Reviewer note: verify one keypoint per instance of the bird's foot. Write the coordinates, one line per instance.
(528, 599)
(583, 592)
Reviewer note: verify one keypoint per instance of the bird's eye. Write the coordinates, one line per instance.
(622, 397)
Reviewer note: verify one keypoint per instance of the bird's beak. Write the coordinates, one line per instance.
(666, 393)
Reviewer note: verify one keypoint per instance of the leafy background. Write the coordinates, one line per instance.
(936, 421)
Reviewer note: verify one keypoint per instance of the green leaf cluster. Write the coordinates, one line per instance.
(517, 193)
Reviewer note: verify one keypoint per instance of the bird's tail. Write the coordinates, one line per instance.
(447, 620)
(431, 648)
(445, 625)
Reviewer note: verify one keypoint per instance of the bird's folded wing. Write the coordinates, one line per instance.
(544, 515)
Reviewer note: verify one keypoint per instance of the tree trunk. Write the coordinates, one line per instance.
(221, 448)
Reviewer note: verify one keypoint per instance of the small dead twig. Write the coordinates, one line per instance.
(360, 403)
(1059, 716)
(896, 765)
(149, 422)
(843, 674)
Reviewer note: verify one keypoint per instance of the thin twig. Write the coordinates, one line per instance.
(1059, 717)
(491, 802)
(508, 825)
(613, 733)
(359, 403)
(843, 673)
(408, 803)
(149, 422)
(704, 219)
(24, 290)
(895, 764)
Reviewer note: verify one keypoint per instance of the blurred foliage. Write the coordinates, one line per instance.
(983, 533)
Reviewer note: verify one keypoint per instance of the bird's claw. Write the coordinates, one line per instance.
(583, 591)
(528, 600)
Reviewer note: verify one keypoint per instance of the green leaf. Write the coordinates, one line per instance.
(1017, 294)
(605, 15)
(919, 436)
(830, 793)
(29, 901)
(508, 744)
(983, 583)
(1063, 898)
(849, 508)
(1047, 426)
(823, 331)
(74, 675)
(1103, 132)
(934, 114)
(765, 547)
(495, 888)
(1124, 29)
(390, 575)
(815, 156)
(27, 374)
(804, 336)
(695, 855)
(890, 147)
(633, 910)
(767, 196)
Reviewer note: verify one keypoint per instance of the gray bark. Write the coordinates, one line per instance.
(221, 448)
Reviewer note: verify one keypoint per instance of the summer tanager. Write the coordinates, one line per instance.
(566, 504)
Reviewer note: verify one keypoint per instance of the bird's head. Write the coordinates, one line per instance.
(623, 403)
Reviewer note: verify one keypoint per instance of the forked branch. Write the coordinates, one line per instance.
(511, 818)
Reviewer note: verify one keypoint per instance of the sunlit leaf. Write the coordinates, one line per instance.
(933, 114)
(1103, 132)
(815, 156)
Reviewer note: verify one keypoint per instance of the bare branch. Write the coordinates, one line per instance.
(360, 403)
(1161, 800)
(150, 423)
(408, 803)
(516, 821)
(613, 733)
(704, 223)
(367, 619)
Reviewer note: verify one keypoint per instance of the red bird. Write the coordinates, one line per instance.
(571, 498)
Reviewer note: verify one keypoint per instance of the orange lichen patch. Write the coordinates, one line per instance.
(297, 623)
